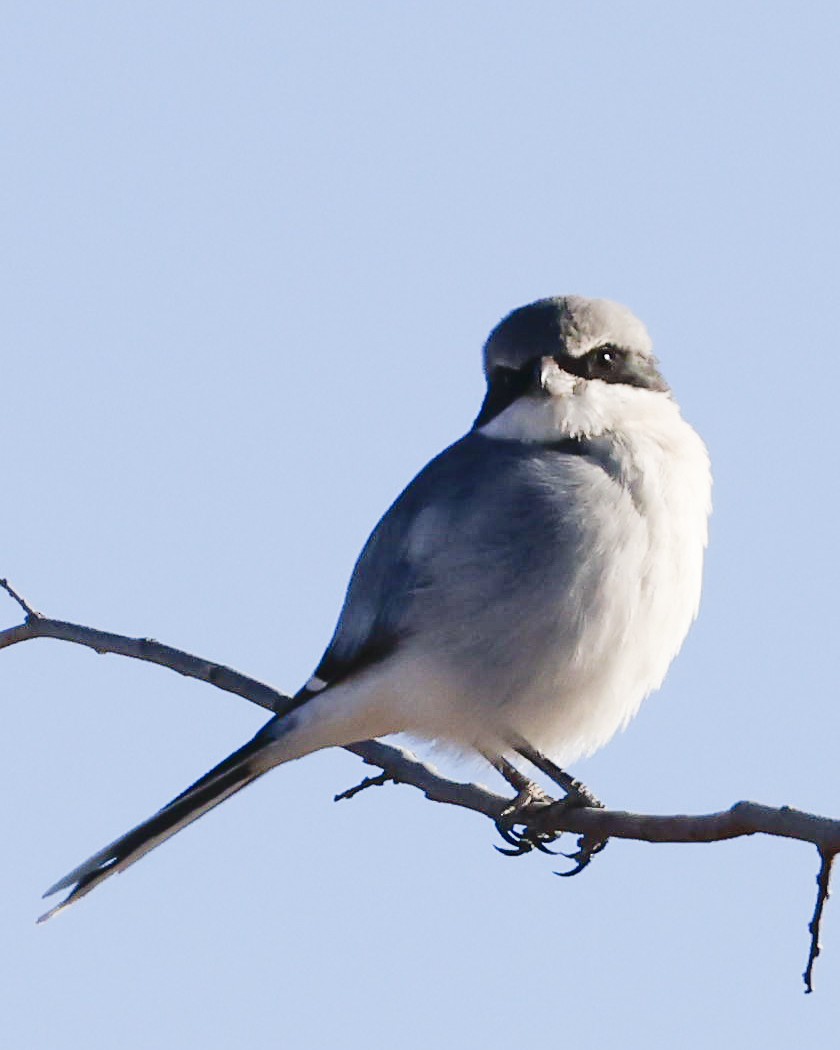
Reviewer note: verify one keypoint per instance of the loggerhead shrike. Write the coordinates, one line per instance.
(527, 590)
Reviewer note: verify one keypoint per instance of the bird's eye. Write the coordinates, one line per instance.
(604, 360)
(605, 356)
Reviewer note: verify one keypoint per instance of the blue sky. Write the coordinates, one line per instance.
(251, 252)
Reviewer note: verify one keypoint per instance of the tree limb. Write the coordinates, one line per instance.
(403, 767)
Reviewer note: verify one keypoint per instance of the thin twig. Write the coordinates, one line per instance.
(28, 610)
(368, 782)
(151, 651)
(823, 893)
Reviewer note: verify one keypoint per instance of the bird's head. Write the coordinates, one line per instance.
(569, 366)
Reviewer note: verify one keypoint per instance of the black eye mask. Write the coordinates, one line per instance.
(609, 363)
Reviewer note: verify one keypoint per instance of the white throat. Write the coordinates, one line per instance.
(638, 435)
(584, 408)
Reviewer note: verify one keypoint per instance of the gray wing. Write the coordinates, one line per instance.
(389, 572)
(471, 527)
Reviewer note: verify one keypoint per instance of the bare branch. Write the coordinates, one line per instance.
(403, 767)
(13, 594)
(225, 678)
(823, 881)
(744, 818)
(368, 782)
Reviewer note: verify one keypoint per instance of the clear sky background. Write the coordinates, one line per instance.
(251, 251)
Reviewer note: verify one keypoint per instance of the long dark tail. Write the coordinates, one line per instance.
(229, 776)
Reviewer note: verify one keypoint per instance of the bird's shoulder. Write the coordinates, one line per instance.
(479, 495)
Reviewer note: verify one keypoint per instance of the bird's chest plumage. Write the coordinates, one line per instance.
(571, 599)
(612, 612)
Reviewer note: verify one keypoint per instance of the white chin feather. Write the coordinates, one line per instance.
(574, 407)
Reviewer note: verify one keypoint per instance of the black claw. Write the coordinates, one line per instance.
(510, 836)
(582, 856)
(576, 870)
(540, 843)
(522, 848)
(521, 843)
(524, 841)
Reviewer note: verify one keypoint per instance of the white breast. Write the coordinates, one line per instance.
(640, 590)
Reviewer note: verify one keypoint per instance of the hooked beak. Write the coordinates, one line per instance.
(553, 380)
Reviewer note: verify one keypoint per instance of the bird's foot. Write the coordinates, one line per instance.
(587, 846)
(519, 814)
(577, 795)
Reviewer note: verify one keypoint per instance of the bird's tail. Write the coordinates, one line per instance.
(229, 776)
(308, 723)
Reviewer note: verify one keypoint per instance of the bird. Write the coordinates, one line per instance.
(527, 589)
